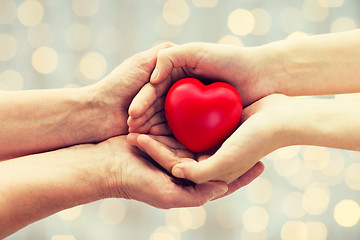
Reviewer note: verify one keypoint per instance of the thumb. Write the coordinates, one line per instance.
(198, 172)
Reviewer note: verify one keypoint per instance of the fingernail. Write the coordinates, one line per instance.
(219, 191)
(154, 75)
(178, 172)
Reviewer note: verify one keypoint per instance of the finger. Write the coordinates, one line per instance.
(160, 129)
(214, 168)
(157, 106)
(168, 141)
(158, 118)
(171, 58)
(147, 96)
(179, 196)
(132, 139)
(245, 179)
(198, 196)
(203, 157)
(161, 153)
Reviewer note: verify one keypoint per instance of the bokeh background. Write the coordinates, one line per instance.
(305, 192)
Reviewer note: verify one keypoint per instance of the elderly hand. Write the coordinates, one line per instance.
(131, 174)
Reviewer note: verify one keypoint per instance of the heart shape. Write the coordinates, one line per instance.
(202, 116)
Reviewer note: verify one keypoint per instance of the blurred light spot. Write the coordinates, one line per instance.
(255, 219)
(262, 21)
(231, 40)
(7, 11)
(40, 35)
(225, 216)
(44, 60)
(205, 3)
(63, 237)
(78, 36)
(331, 3)
(316, 158)
(343, 24)
(297, 35)
(166, 30)
(30, 13)
(301, 178)
(71, 213)
(314, 11)
(352, 176)
(241, 22)
(112, 211)
(11, 80)
(287, 167)
(8, 47)
(260, 190)
(292, 19)
(176, 12)
(294, 230)
(335, 165)
(109, 40)
(316, 230)
(292, 205)
(347, 213)
(186, 218)
(173, 219)
(165, 233)
(85, 7)
(315, 200)
(93, 65)
(247, 235)
(193, 218)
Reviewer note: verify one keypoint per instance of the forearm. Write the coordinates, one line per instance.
(315, 65)
(323, 122)
(33, 121)
(36, 186)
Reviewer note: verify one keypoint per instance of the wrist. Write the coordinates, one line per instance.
(110, 183)
(103, 117)
(109, 111)
(49, 182)
(273, 66)
(325, 122)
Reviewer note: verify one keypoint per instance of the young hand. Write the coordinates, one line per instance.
(168, 152)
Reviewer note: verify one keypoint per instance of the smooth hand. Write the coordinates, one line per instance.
(259, 134)
(236, 162)
(274, 122)
(213, 62)
(169, 153)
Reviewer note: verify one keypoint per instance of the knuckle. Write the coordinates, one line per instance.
(167, 44)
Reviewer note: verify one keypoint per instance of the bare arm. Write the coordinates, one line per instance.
(315, 65)
(34, 121)
(36, 186)
(38, 120)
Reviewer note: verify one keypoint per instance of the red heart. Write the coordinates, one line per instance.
(202, 116)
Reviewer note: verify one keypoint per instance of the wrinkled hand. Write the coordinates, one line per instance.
(169, 153)
(131, 174)
(114, 93)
